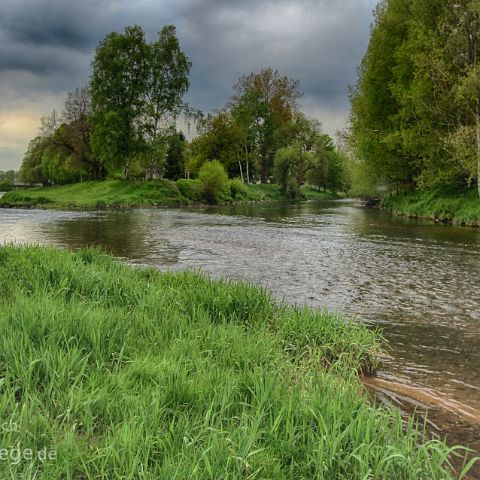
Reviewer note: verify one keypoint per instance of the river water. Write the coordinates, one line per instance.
(418, 281)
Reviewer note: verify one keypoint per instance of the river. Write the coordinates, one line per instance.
(418, 281)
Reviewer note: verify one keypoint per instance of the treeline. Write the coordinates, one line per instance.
(415, 120)
(8, 175)
(262, 134)
(124, 124)
(7, 178)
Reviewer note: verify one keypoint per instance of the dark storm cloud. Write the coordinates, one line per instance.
(46, 45)
(318, 42)
(52, 22)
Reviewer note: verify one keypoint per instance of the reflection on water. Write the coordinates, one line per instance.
(418, 280)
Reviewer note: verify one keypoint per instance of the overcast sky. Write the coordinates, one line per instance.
(46, 47)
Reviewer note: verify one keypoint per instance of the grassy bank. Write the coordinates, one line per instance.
(125, 373)
(120, 193)
(441, 205)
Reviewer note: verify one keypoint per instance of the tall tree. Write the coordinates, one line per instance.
(416, 106)
(168, 70)
(446, 38)
(77, 132)
(374, 115)
(262, 103)
(118, 85)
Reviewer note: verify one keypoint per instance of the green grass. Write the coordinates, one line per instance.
(128, 373)
(458, 208)
(111, 193)
(122, 194)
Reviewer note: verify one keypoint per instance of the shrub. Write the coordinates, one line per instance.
(214, 181)
(190, 189)
(238, 189)
(5, 186)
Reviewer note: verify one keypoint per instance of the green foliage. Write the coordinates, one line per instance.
(221, 138)
(124, 125)
(118, 85)
(31, 168)
(214, 181)
(191, 189)
(175, 157)
(442, 205)
(290, 165)
(311, 157)
(5, 186)
(122, 193)
(8, 176)
(62, 153)
(137, 90)
(133, 373)
(238, 189)
(263, 104)
(168, 68)
(416, 106)
(363, 182)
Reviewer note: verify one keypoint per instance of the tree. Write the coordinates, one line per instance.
(290, 168)
(262, 103)
(118, 87)
(77, 132)
(62, 152)
(31, 168)
(9, 175)
(175, 160)
(375, 120)
(214, 180)
(415, 118)
(447, 43)
(221, 138)
(168, 70)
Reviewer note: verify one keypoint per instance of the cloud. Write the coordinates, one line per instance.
(46, 47)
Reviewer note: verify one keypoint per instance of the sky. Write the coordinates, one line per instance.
(46, 47)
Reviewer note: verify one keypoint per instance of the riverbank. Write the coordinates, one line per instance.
(119, 370)
(440, 206)
(124, 194)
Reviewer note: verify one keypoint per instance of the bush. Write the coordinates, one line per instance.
(214, 181)
(190, 189)
(5, 186)
(238, 189)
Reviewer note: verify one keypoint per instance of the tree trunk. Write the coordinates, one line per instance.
(241, 172)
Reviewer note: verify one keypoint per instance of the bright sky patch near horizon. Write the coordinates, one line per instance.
(46, 47)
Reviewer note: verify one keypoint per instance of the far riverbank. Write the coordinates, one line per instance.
(130, 194)
(456, 208)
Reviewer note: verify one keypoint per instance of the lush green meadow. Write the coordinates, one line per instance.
(127, 373)
(122, 193)
(459, 208)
